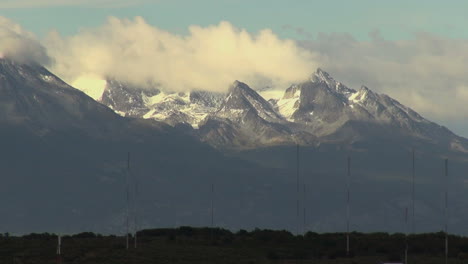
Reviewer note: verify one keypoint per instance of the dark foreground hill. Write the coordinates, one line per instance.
(63, 160)
(205, 245)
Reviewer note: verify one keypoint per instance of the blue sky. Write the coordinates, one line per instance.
(397, 19)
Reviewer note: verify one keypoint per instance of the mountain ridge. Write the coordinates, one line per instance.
(308, 112)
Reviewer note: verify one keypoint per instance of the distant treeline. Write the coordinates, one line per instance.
(207, 245)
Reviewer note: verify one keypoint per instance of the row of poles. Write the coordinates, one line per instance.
(348, 207)
(413, 176)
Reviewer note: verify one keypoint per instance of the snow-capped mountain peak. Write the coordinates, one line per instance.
(332, 84)
(246, 119)
(243, 100)
(321, 76)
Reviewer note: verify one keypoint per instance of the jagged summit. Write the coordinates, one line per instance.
(239, 89)
(243, 101)
(245, 119)
(237, 84)
(324, 77)
(321, 76)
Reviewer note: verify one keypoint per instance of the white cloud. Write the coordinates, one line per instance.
(46, 3)
(207, 58)
(19, 44)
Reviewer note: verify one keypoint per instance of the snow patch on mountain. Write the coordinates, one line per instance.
(357, 97)
(289, 103)
(91, 85)
(46, 78)
(154, 103)
(162, 97)
(179, 107)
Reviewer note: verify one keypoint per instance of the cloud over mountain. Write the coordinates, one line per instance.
(18, 44)
(208, 58)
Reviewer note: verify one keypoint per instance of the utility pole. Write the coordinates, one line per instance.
(127, 190)
(348, 205)
(212, 212)
(406, 235)
(212, 205)
(297, 190)
(446, 211)
(135, 209)
(413, 175)
(59, 249)
(304, 211)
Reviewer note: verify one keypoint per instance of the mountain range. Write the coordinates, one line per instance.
(315, 111)
(64, 160)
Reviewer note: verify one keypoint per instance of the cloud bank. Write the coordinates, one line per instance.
(208, 58)
(19, 44)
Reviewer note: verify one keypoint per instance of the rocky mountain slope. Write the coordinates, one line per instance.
(34, 98)
(246, 119)
(152, 103)
(332, 111)
(317, 110)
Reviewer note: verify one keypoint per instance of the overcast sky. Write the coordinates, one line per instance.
(415, 51)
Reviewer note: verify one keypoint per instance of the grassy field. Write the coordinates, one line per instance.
(203, 245)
